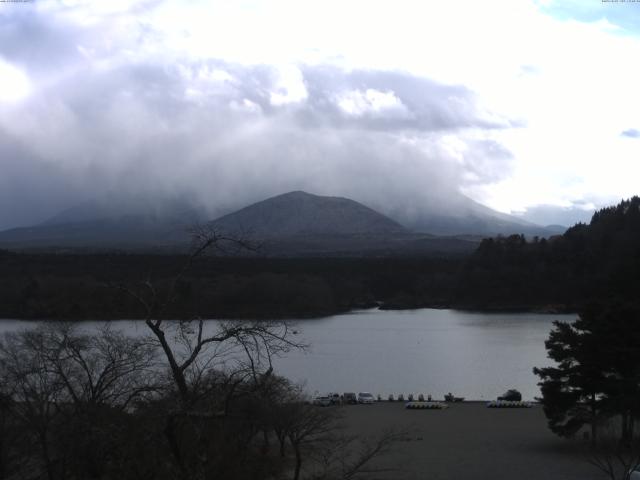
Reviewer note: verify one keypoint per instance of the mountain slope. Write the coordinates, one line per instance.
(460, 215)
(117, 223)
(291, 224)
(300, 213)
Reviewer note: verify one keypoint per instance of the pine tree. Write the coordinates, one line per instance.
(597, 376)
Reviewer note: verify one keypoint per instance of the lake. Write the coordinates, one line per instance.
(475, 355)
(471, 354)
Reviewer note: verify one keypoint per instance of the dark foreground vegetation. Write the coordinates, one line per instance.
(179, 403)
(596, 261)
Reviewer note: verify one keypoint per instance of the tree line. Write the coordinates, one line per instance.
(79, 286)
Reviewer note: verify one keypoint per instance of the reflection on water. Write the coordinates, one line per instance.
(475, 355)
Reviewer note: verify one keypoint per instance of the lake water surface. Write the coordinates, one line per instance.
(475, 355)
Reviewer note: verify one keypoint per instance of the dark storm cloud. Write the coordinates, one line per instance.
(226, 134)
(631, 133)
(29, 187)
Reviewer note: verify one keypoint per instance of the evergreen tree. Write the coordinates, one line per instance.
(597, 375)
(572, 391)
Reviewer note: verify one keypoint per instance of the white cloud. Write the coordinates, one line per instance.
(371, 102)
(289, 87)
(578, 92)
(14, 83)
(245, 106)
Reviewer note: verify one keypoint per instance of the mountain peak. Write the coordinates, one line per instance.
(302, 213)
(296, 193)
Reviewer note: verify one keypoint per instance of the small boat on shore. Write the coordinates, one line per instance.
(509, 404)
(425, 406)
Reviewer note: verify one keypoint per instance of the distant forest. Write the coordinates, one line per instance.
(600, 260)
(595, 262)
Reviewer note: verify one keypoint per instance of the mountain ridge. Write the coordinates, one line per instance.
(292, 223)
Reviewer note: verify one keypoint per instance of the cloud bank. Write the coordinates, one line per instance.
(226, 134)
(399, 106)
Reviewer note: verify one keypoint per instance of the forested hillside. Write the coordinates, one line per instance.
(598, 261)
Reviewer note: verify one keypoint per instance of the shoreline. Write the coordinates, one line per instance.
(541, 310)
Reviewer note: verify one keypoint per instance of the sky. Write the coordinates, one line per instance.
(530, 107)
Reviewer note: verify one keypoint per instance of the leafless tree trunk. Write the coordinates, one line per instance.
(613, 456)
(195, 348)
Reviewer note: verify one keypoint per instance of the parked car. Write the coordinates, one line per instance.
(365, 397)
(511, 396)
(450, 398)
(335, 398)
(635, 473)
(349, 398)
(322, 401)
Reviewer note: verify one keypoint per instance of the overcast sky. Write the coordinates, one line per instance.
(519, 104)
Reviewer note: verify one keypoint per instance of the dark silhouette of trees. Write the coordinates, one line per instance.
(572, 391)
(77, 406)
(599, 261)
(65, 394)
(597, 377)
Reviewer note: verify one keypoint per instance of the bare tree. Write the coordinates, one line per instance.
(308, 426)
(63, 383)
(189, 347)
(616, 458)
(103, 368)
(209, 361)
(9, 435)
(318, 440)
(349, 457)
(35, 390)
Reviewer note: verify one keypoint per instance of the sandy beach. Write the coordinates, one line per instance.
(470, 441)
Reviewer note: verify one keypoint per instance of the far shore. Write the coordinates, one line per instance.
(266, 316)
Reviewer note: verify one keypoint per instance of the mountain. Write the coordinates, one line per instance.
(300, 213)
(460, 215)
(111, 223)
(292, 224)
(298, 224)
(115, 208)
